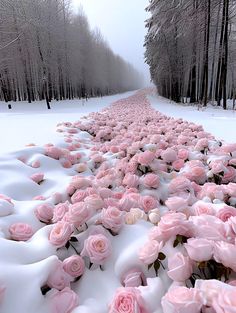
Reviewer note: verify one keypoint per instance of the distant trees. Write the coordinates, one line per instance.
(47, 52)
(191, 49)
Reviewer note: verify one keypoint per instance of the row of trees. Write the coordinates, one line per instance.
(47, 52)
(191, 49)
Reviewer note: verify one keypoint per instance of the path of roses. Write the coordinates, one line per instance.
(132, 211)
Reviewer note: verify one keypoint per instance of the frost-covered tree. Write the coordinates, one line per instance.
(48, 52)
(190, 48)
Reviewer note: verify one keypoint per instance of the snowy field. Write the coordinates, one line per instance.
(121, 211)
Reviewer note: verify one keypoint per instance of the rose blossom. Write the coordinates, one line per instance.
(225, 302)
(44, 212)
(63, 301)
(200, 208)
(178, 164)
(210, 289)
(133, 278)
(151, 181)
(79, 196)
(199, 249)
(224, 253)
(145, 158)
(176, 204)
(97, 248)
(131, 180)
(127, 300)
(21, 231)
(180, 267)
(37, 177)
(78, 214)
(94, 202)
(60, 233)
(148, 254)
(59, 211)
(183, 154)
(154, 216)
(182, 299)
(112, 218)
(74, 266)
(148, 203)
(169, 155)
(226, 212)
(58, 278)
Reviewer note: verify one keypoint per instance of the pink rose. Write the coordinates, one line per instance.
(78, 214)
(131, 180)
(169, 155)
(145, 158)
(37, 178)
(97, 248)
(176, 204)
(200, 208)
(180, 267)
(58, 278)
(60, 233)
(182, 299)
(151, 181)
(74, 266)
(44, 212)
(94, 202)
(133, 278)
(148, 254)
(112, 218)
(183, 154)
(210, 289)
(79, 196)
(127, 300)
(21, 231)
(224, 253)
(199, 249)
(59, 211)
(226, 212)
(178, 164)
(148, 203)
(63, 301)
(127, 203)
(225, 302)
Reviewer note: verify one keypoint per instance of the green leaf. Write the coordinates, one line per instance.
(157, 266)
(150, 265)
(161, 256)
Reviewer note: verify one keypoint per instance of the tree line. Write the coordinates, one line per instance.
(48, 52)
(191, 49)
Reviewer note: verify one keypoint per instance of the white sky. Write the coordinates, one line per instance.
(122, 24)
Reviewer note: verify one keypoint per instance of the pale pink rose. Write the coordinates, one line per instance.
(54, 152)
(2, 293)
(178, 164)
(79, 196)
(79, 182)
(217, 167)
(231, 189)
(232, 223)
(200, 208)
(154, 216)
(112, 218)
(169, 155)
(171, 224)
(224, 253)
(131, 180)
(226, 212)
(58, 278)
(66, 163)
(21, 231)
(74, 266)
(176, 204)
(59, 211)
(199, 249)
(183, 154)
(35, 164)
(44, 212)
(148, 203)
(180, 267)
(138, 214)
(60, 233)
(197, 174)
(97, 248)
(201, 144)
(127, 203)
(178, 184)
(225, 302)
(133, 278)
(151, 181)
(105, 193)
(208, 226)
(81, 167)
(37, 177)
(78, 214)
(146, 157)
(229, 175)
(148, 254)
(94, 202)
(182, 299)
(127, 300)
(63, 301)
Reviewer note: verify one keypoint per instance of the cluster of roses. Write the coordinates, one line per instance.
(145, 165)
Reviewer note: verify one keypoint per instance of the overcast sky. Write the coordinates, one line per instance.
(122, 24)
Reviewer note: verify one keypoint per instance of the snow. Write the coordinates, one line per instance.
(25, 266)
(215, 120)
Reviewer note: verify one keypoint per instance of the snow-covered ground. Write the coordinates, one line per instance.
(215, 120)
(32, 123)
(25, 266)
